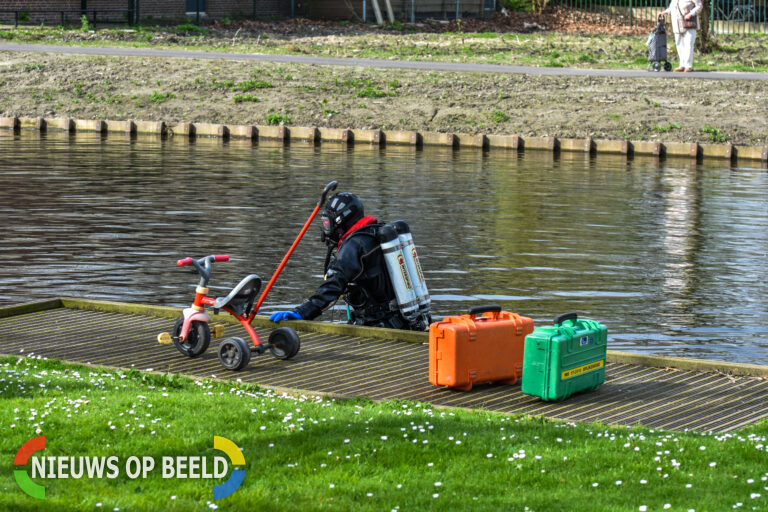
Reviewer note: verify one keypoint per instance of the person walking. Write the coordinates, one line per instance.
(685, 22)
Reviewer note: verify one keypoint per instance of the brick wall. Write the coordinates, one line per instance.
(217, 8)
(39, 4)
(30, 6)
(172, 10)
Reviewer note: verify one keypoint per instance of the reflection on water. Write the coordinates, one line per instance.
(671, 256)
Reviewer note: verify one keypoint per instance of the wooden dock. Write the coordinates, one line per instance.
(380, 364)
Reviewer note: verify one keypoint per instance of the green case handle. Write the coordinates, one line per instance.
(566, 316)
(492, 308)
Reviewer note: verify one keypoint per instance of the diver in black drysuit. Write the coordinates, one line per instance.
(358, 271)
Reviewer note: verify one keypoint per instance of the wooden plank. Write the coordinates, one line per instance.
(717, 150)
(242, 131)
(611, 146)
(584, 145)
(60, 123)
(546, 143)
(437, 139)
(90, 125)
(32, 123)
(400, 137)
(120, 126)
(681, 149)
(9, 123)
(370, 136)
(752, 152)
(211, 130)
(503, 141)
(641, 147)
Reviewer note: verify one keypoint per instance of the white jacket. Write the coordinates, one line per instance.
(677, 8)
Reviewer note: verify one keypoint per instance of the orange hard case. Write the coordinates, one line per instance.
(469, 349)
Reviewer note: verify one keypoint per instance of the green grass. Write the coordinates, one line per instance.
(311, 453)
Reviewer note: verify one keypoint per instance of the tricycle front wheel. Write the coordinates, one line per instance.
(198, 338)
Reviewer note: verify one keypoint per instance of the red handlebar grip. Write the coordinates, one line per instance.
(185, 261)
(221, 257)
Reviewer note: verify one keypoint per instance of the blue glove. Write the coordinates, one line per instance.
(284, 315)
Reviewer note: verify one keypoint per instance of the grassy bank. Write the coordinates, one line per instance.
(312, 453)
(545, 49)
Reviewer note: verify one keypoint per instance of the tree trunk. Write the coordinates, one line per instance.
(704, 39)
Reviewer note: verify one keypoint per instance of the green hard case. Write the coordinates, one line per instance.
(565, 359)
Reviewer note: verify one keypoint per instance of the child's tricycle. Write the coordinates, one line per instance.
(191, 334)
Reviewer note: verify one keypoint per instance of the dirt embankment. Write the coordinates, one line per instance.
(187, 90)
(176, 90)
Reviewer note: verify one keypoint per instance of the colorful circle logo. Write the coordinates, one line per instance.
(22, 477)
(237, 476)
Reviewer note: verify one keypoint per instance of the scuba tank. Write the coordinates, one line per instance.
(392, 249)
(414, 268)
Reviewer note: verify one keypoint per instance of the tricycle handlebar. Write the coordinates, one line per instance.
(203, 265)
(213, 257)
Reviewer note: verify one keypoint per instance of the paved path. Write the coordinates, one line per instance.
(375, 63)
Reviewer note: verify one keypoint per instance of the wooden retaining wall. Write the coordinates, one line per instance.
(725, 152)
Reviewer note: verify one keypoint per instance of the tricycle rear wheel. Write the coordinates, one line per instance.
(284, 343)
(198, 338)
(234, 353)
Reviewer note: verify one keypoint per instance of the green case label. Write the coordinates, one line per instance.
(567, 374)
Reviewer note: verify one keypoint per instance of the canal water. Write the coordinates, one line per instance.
(670, 255)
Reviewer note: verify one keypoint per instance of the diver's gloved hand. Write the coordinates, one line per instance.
(284, 315)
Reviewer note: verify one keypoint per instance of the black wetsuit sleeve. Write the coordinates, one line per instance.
(342, 270)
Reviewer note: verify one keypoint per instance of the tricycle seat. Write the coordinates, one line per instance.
(242, 297)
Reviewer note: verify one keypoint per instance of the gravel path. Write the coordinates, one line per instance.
(376, 63)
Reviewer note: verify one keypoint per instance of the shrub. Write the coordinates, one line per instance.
(500, 117)
(159, 97)
(245, 97)
(275, 118)
(250, 85)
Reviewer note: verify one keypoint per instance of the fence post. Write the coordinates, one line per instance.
(457, 9)
(631, 20)
(137, 13)
(365, 9)
(413, 11)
